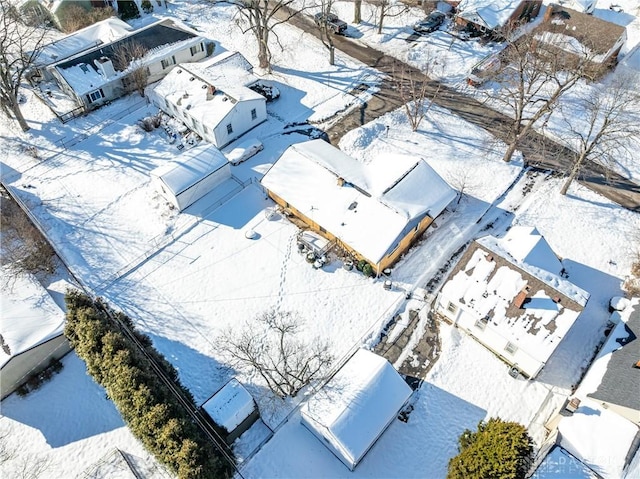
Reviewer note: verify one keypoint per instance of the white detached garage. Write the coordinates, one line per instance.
(194, 174)
(350, 413)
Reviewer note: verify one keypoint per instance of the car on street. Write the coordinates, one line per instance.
(431, 23)
(334, 24)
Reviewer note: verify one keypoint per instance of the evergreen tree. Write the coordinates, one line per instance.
(145, 402)
(497, 450)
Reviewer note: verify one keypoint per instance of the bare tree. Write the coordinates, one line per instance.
(532, 79)
(13, 464)
(415, 91)
(607, 126)
(74, 17)
(326, 35)
(20, 45)
(269, 345)
(24, 250)
(463, 180)
(389, 8)
(261, 17)
(128, 56)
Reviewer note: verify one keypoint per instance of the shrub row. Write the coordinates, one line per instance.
(146, 404)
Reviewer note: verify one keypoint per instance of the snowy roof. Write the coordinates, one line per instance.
(599, 438)
(158, 39)
(224, 70)
(612, 373)
(558, 464)
(189, 87)
(190, 167)
(230, 405)
(526, 245)
(580, 33)
(358, 403)
(103, 32)
(489, 14)
(373, 207)
(29, 317)
(528, 306)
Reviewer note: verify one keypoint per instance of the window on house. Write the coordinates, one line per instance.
(451, 307)
(481, 323)
(95, 95)
(196, 48)
(511, 348)
(254, 115)
(229, 129)
(167, 62)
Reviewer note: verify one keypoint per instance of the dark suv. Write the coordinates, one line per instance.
(334, 24)
(431, 23)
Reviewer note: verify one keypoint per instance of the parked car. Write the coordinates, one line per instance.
(431, 23)
(334, 24)
(244, 150)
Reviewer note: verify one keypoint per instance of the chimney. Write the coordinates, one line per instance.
(211, 90)
(105, 67)
(549, 12)
(340, 181)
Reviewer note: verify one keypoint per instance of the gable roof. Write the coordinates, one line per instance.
(489, 14)
(529, 306)
(374, 204)
(29, 318)
(209, 90)
(526, 245)
(82, 75)
(100, 33)
(620, 382)
(190, 167)
(579, 33)
(357, 404)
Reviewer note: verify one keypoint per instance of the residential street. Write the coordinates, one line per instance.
(538, 150)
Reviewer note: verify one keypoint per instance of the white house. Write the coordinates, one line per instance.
(213, 98)
(31, 333)
(194, 174)
(232, 408)
(508, 294)
(350, 413)
(92, 77)
(375, 210)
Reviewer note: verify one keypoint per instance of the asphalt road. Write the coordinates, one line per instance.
(538, 150)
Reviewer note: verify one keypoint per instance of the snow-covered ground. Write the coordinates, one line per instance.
(186, 278)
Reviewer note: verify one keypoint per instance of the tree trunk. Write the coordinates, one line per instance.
(382, 7)
(15, 108)
(357, 12)
(332, 55)
(263, 56)
(575, 169)
(511, 149)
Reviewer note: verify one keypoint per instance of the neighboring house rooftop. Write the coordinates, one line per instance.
(527, 305)
(489, 14)
(103, 32)
(579, 33)
(82, 75)
(367, 206)
(29, 318)
(600, 439)
(620, 383)
(353, 409)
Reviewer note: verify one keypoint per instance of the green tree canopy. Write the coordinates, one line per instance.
(497, 450)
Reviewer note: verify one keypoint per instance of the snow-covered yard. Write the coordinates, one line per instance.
(186, 278)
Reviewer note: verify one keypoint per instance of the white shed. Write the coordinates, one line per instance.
(355, 407)
(232, 408)
(194, 174)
